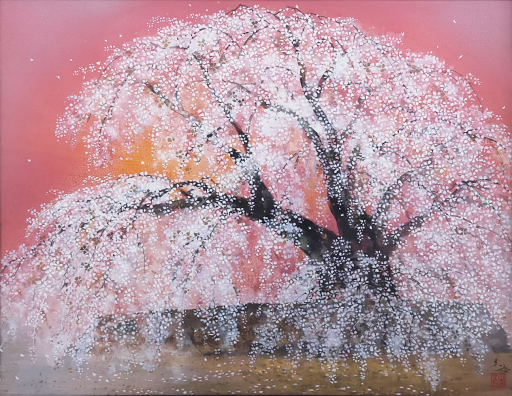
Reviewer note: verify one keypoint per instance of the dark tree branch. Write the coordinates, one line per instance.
(185, 114)
(313, 99)
(235, 155)
(399, 235)
(244, 138)
(337, 190)
(311, 134)
(387, 199)
(312, 239)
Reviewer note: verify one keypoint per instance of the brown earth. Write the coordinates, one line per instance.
(191, 372)
(199, 365)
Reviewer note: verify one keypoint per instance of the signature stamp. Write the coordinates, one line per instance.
(498, 380)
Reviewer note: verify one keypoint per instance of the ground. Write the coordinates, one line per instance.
(195, 369)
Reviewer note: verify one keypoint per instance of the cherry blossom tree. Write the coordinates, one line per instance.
(289, 158)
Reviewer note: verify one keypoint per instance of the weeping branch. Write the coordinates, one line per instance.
(313, 240)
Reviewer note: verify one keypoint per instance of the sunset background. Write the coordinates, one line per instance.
(44, 42)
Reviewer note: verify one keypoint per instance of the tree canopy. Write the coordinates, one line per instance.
(289, 158)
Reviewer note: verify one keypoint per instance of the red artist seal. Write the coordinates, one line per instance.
(498, 380)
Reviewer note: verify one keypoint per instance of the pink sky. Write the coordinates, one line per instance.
(44, 40)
